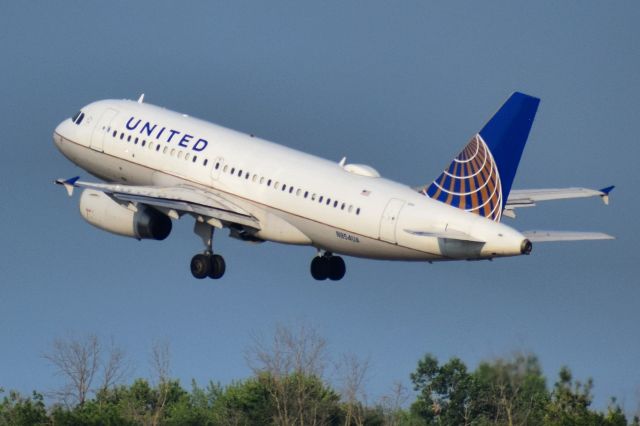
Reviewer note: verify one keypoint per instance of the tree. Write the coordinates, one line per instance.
(511, 391)
(291, 368)
(353, 372)
(570, 402)
(16, 410)
(80, 361)
(392, 403)
(445, 392)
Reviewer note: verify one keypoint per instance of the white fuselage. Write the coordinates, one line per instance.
(297, 198)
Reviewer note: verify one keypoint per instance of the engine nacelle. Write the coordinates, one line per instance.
(103, 212)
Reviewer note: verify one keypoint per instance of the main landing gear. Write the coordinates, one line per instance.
(326, 265)
(207, 264)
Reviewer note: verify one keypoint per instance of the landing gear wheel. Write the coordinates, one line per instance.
(337, 268)
(200, 266)
(328, 266)
(217, 267)
(320, 268)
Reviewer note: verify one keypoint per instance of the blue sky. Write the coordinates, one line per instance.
(400, 87)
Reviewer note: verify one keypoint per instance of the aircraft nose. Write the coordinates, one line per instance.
(61, 132)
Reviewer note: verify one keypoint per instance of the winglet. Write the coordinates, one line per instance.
(68, 184)
(605, 193)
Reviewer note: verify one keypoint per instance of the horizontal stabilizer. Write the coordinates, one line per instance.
(449, 234)
(548, 236)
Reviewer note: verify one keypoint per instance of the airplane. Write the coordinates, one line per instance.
(158, 165)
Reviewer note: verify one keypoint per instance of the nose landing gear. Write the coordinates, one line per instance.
(327, 265)
(207, 264)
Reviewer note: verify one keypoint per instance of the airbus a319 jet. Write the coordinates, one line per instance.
(158, 165)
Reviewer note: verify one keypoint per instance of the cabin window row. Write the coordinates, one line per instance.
(283, 187)
(151, 144)
(327, 201)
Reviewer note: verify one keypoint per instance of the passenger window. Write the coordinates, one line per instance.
(164, 151)
(136, 141)
(277, 185)
(255, 178)
(269, 182)
(350, 208)
(246, 176)
(187, 155)
(115, 133)
(261, 180)
(342, 206)
(225, 169)
(290, 189)
(284, 187)
(335, 204)
(233, 170)
(320, 199)
(206, 160)
(298, 192)
(358, 211)
(239, 173)
(179, 154)
(217, 165)
(313, 196)
(121, 135)
(328, 201)
(129, 138)
(194, 159)
(173, 152)
(158, 147)
(306, 194)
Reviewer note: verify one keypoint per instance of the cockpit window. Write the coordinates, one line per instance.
(77, 118)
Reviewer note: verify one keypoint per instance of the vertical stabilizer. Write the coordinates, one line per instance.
(479, 179)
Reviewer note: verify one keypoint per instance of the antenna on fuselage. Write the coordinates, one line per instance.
(341, 163)
(141, 98)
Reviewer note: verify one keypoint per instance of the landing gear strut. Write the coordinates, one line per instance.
(326, 265)
(206, 264)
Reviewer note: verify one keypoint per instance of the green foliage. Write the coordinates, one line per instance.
(570, 401)
(503, 392)
(445, 392)
(510, 391)
(16, 410)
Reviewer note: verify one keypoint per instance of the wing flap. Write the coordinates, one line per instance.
(547, 236)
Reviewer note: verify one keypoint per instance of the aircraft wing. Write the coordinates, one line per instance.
(173, 200)
(547, 236)
(529, 197)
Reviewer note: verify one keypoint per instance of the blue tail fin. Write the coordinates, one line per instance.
(479, 179)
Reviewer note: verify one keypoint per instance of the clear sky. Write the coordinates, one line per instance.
(401, 87)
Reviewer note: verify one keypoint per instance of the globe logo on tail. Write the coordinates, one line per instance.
(471, 182)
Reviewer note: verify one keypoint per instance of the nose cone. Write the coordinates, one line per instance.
(61, 132)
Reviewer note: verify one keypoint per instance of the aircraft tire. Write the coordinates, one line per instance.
(337, 268)
(320, 268)
(217, 267)
(200, 265)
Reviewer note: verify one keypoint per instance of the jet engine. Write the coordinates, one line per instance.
(103, 212)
